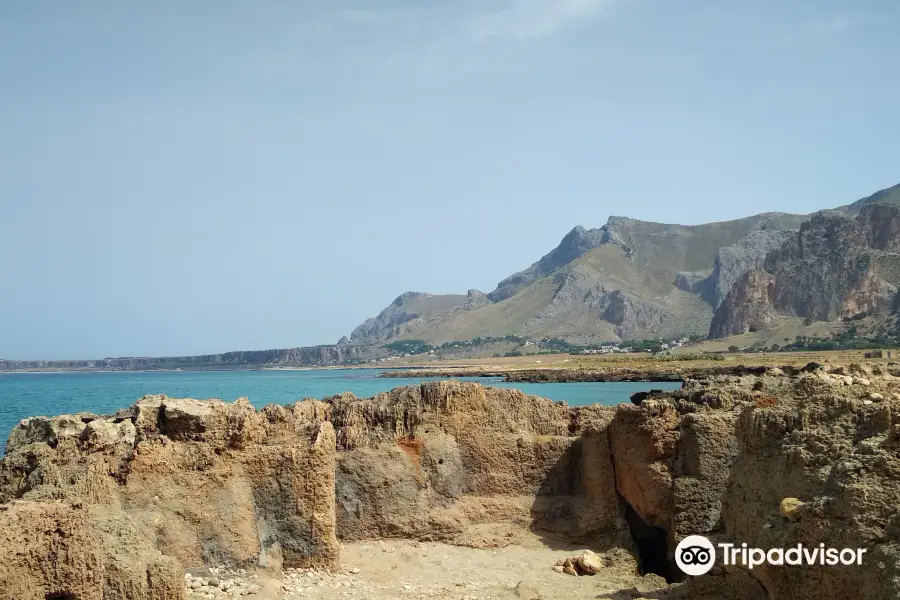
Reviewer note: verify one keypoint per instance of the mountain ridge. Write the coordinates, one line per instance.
(607, 283)
(627, 279)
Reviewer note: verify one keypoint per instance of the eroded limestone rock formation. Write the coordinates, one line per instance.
(468, 464)
(118, 506)
(828, 445)
(198, 482)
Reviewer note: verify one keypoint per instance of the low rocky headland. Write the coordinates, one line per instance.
(456, 490)
(615, 371)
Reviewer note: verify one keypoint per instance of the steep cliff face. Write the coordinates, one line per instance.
(748, 307)
(733, 262)
(834, 267)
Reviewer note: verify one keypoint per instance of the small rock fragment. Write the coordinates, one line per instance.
(791, 509)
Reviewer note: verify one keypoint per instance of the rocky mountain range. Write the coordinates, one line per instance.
(635, 279)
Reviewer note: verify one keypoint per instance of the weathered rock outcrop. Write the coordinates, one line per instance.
(206, 482)
(672, 455)
(443, 460)
(201, 482)
(116, 507)
(629, 314)
(61, 550)
(834, 267)
(731, 264)
(695, 282)
(835, 450)
(387, 321)
(721, 457)
(412, 312)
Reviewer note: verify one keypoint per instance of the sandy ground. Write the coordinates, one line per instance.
(400, 569)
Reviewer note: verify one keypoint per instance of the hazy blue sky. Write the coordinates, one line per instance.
(192, 177)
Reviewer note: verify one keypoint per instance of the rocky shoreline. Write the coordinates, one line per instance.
(616, 373)
(180, 498)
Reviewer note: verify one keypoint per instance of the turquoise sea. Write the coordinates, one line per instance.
(29, 394)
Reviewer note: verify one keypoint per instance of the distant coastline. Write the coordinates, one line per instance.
(177, 370)
(308, 357)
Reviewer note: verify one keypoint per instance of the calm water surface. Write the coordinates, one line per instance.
(28, 394)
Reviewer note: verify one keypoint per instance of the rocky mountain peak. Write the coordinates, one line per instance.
(407, 296)
(574, 244)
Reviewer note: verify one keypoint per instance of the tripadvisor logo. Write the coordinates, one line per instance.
(696, 555)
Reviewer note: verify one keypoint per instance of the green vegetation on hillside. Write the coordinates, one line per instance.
(544, 346)
(408, 347)
(885, 336)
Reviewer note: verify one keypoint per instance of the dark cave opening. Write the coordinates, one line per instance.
(653, 547)
(61, 596)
